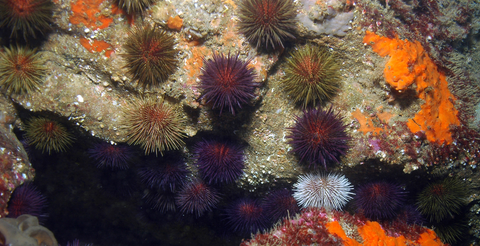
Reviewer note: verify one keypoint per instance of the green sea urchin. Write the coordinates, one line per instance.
(48, 135)
(21, 70)
(311, 75)
(26, 18)
(134, 6)
(150, 56)
(154, 125)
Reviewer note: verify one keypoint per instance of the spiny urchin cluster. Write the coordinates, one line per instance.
(267, 24)
(48, 135)
(26, 18)
(311, 75)
(21, 70)
(150, 56)
(319, 137)
(227, 82)
(154, 125)
(330, 191)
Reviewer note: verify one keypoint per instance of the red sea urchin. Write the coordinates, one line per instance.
(219, 161)
(227, 82)
(330, 191)
(154, 125)
(267, 24)
(26, 18)
(319, 137)
(21, 70)
(150, 56)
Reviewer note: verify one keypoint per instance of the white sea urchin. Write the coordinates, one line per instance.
(331, 191)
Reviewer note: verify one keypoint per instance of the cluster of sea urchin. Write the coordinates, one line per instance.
(319, 137)
(21, 70)
(267, 24)
(154, 125)
(311, 75)
(150, 55)
(227, 82)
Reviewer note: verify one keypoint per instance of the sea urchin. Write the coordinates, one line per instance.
(196, 197)
(21, 70)
(150, 56)
(311, 75)
(134, 6)
(267, 24)
(379, 200)
(48, 135)
(227, 82)
(319, 136)
(154, 125)
(26, 17)
(330, 191)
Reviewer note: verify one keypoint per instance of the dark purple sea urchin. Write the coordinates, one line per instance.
(379, 200)
(227, 82)
(219, 160)
(169, 173)
(267, 24)
(110, 155)
(26, 199)
(196, 198)
(246, 216)
(319, 137)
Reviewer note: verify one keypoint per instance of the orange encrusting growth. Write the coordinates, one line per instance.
(88, 12)
(373, 235)
(97, 46)
(408, 64)
(175, 23)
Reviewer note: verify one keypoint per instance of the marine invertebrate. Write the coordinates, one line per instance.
(227, 82)
(21, 70)
(25, 231)
(330, 191)
(246, 216)
(311, 75)
(443, 199)
(26, 18)
(219, 160)
(379, 200)
(319, 137)
(111, 155)
(26, 199)
(168, 173)
(48, 135)
(134, 6)
(150, 56)
(267, 24)
(279, 204)
(153, 124)
(196, 198)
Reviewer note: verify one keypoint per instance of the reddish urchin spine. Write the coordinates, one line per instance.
(111, 155)
(219, 161)
(134, 6)
(154, 125)
(197, 198)
(26, 199)
(26, 17)
(48, 135)
(150, 56)
(330, 191)
(267, 24)
(379, 200)
(227, 82)
(21, 70)
(311, 75)
(319, 137)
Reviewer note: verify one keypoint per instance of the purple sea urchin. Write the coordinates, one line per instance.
(150, 56)
(227, 82)
(330, 191)
(168, 174)
(267, 24)
(26, 17)
(154, 125)
(48, 135)
(246, 216)
(319, 137)
(110, 155)
(21, 70)
(311, 75)
(279, 204)
(197, 198)
(379, 200)
(26, 199)
(219, 161)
